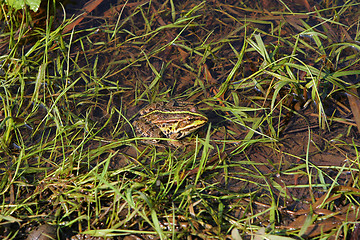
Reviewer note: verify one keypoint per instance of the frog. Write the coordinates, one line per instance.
(173, 120)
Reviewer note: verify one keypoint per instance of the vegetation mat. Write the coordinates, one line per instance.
(180, 120)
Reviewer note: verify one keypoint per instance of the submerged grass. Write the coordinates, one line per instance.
(70, 156)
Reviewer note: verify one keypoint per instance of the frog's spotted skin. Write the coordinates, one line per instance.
(173, 120)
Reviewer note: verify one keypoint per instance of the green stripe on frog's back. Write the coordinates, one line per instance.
(173, 113)
(185, 130)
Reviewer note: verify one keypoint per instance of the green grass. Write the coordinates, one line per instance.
(69, 155)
